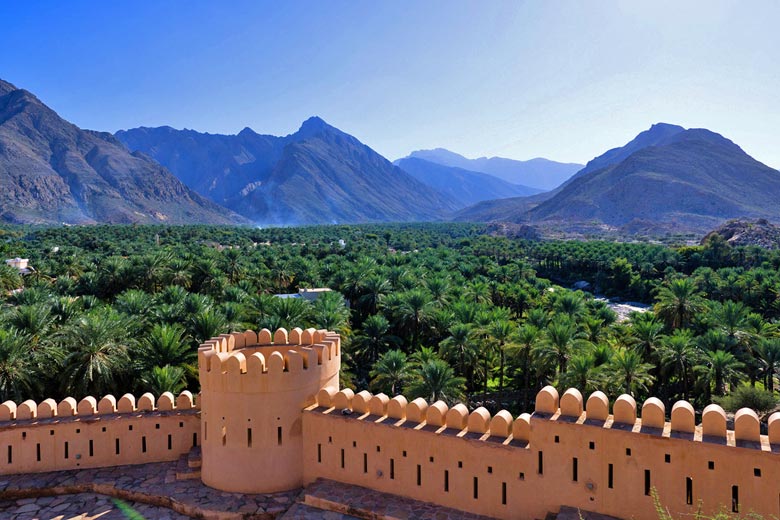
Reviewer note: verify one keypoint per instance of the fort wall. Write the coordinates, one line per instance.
(253, 390)
(51, 436)
(568, 453)
(271, 417)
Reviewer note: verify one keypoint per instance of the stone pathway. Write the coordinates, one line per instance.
(151, 484)
(84, 506)
(304, 512)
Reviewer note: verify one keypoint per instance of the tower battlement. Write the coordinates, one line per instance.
(254, 387)
(263, 362)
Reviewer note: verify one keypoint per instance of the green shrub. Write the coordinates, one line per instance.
(749, 397)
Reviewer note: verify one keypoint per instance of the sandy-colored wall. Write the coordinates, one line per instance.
(500, 457)
(253, 392)
(49, 436)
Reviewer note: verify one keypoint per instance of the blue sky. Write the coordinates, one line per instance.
(559, 79)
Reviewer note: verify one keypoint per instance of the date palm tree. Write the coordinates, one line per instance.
(678, 302)
(528, 337)
(18, 374)
(416, 305)
(767, 352)
(159, 380)
(436, 380)
(329, 312)
(679, 354)
(391, 372)
(374, 339)
(630, 373)
(96, 352)
(560, 337)
(459, 348)
(720, 367)
(501, 331)
(166, 345)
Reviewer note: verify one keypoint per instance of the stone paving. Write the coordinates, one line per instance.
(151, 484)
(304, 512)
(84, 506)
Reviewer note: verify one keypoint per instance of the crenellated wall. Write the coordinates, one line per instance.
(270, 417)
(253, 390)
(570, 452)
(51, 436)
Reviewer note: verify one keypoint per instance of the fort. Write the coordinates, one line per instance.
(271, 417)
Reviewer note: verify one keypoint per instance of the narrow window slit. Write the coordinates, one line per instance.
(688, 490)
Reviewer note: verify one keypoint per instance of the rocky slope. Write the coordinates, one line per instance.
(318, 175)
(51, 171)
(667, 179)
(759, 233)
(690, 181)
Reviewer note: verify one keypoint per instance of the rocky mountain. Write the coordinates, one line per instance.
(740, 232)
(464, 186)
(317, 175)
(51, 171)
(691, 181)
(538, 173)
(666, 179)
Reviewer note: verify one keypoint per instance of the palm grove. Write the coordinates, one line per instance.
(440, 311)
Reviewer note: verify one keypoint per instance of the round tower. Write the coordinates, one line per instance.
(254, 388)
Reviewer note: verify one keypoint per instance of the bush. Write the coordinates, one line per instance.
(749, 397)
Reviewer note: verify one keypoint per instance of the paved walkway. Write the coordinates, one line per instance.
(84, 506)
(151, 484)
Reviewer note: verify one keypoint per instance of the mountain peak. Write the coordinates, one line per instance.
(666, 127)
(247, 132)
(314, 124)
(6, 87)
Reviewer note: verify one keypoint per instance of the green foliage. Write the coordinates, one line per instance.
(439, 310)
(749, 397)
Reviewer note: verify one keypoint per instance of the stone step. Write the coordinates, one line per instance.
(184, 471)
(194, 459)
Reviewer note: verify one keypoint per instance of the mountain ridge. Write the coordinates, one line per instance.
(665, 178)
(316, 175)
(52, 171)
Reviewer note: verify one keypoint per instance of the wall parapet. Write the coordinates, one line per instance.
(571, 407)
(298, 354)
(89, 407)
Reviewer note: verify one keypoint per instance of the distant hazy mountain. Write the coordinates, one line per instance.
(539, 173)
(51, 171)
(316, 175)
(688, 180)
(464, 186)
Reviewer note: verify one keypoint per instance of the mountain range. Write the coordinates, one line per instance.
(51, 171)
(666, 179)
(541, 174)
(316, 175)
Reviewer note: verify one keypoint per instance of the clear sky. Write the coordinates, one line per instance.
(559, 79)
